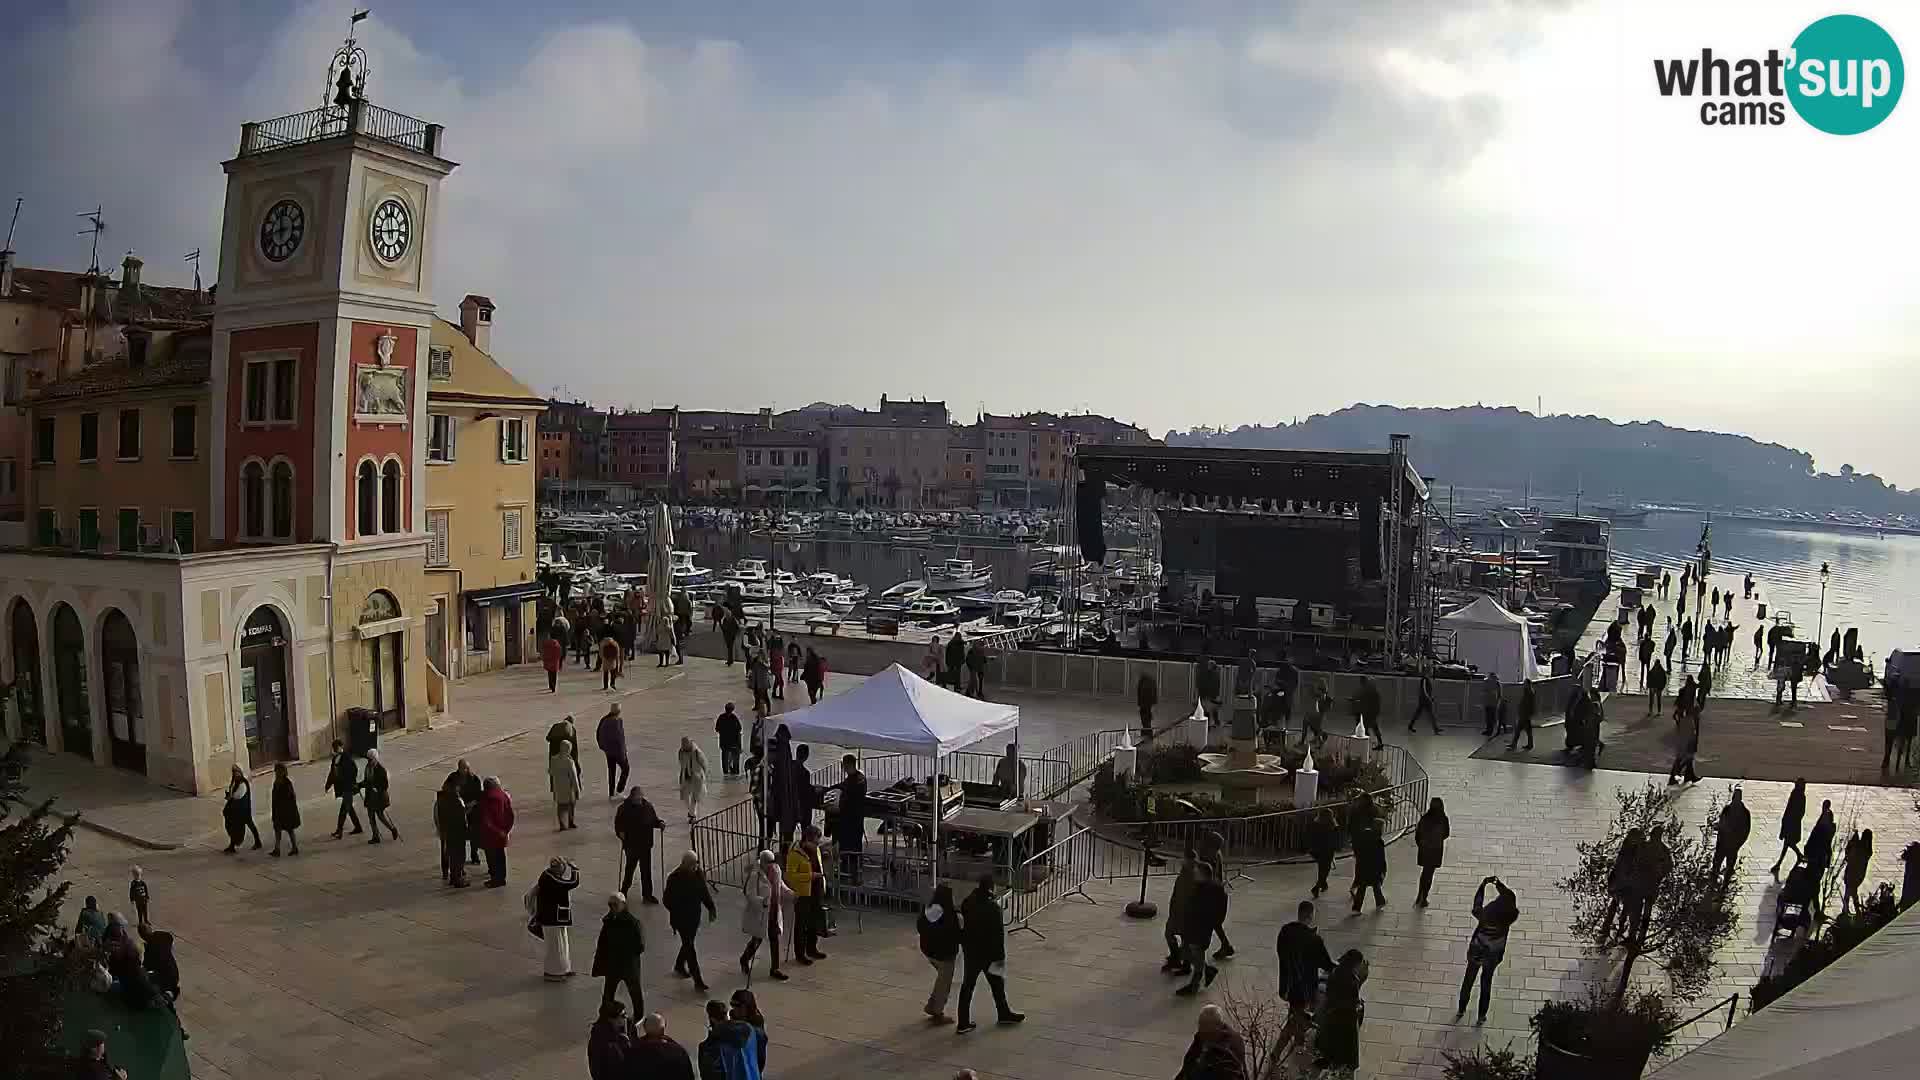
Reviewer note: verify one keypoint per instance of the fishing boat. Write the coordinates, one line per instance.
(958, 575)
(841, 602)
(749, 572)
(760, 592)
(786, 579)
(899, 596)
(911, 535)
(823, 582)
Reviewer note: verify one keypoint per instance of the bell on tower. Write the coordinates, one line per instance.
(347, 72)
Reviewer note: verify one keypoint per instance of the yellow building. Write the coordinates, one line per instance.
(480, 485)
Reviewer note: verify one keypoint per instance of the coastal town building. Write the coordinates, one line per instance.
(779, 467)
(481, 498)
(640, 449)
(223, 540)
(894, 456)
(709, 462)
(966, 463)
(1025, 463)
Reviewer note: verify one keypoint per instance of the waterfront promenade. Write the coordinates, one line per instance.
(353, 963)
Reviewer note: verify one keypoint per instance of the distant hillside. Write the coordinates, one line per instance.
(1476, 446)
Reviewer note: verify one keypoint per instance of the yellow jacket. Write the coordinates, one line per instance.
(799, 871)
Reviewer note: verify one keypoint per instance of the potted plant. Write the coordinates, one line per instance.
(1610, 1034)
(1482, 1063)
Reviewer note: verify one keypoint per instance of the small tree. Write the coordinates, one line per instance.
(1693, 916)
(35, 969)
(1259, 1020)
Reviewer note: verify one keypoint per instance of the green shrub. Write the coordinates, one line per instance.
(1483, 1064)
(1642, 1022)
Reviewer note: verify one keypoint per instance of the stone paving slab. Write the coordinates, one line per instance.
(353, 963)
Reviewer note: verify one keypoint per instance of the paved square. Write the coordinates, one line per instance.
(353, 963)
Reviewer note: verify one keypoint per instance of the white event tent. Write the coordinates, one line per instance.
(901, 712)
(1491, 638)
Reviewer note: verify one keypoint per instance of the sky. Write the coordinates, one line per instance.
(1176, 213)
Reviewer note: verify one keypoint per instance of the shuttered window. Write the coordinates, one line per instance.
(510, 533)
(439, 526)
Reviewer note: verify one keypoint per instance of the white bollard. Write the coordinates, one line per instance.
(1306, 785)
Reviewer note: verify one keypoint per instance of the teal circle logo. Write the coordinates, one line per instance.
(1846, 75)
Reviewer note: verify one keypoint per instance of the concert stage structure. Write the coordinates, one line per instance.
(1304, 551)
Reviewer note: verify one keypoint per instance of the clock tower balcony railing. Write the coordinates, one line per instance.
(336, 121)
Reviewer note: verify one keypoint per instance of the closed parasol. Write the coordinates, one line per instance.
(660, 582)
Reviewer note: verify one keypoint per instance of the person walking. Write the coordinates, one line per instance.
(1323, 841)
(744, 1007)
(378, 797)
(728, 1051)
(611, 736)
(685, 894)
(956, 661)
(237, 812)
(564, 731)
(551, 904)
(1673, 639)
(1369, 863)
(1212, 849)
(563, 779)
(1367, 701)
(1688, 748)
(1729, 836)
(760, 915)
(1819, 854)
(450, 825)
(1425, 705)
(1206, 914)
(1146, 694)
(613, 661)
(807, 884)
(285, 810)
(1337, 1046)
(1488, 945)
(552, 655)
(1529, 704)
(693, 776)
(1656, 687)
(343, 778)
(1496, 706)
(813, 672)
(1217, 1052)
(635, 823)
(729, 632)
(930, 663)
(794, 662)
(1853, 869)
(138, 895)
(1790, 819)
(616, 954)
(491, 824)
(1652, 863)
(939, 927)
(759, 683)
(727, 727)
(976, 671)
(983, 945)
(777, 668)
(1303, 956)
(1178, 901)
(1759, 646)
(1646, 658)
(1684, 700)
(1430, 840)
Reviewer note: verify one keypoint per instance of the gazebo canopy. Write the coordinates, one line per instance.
(899, 711)
(1492, 638)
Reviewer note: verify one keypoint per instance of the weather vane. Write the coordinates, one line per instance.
(347, 72)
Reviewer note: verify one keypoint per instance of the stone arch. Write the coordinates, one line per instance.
(121, 698)
(29, 683)
(68, 639)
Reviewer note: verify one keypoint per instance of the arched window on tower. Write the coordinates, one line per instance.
(369, 499)
(282, 491)
(390, 498)
(253, 499)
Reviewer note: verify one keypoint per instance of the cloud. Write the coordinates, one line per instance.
(1195, 220)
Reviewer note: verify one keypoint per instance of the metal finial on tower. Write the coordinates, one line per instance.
(348, 70)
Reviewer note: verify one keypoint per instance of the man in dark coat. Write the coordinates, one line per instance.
(1206, 913)
(1217, 1052)
(1323, 841)
(468, 784)
(610, 1043)
(1369, 864)
(1206, 683)
(727, 727)
(1819, 850)
(1177, 901)
(976, 671)
(956, 660)
(1524, 714)
(343, 778)
(850, 819)
(1652, 862)
(656, 1056)
(450, 821)
(1730, 834)
(635, 823)
(685, 894)
(1367, 701)
(1147, 694)
(616, 956)
(1430, 842)
(1303, 956)
(983, 943)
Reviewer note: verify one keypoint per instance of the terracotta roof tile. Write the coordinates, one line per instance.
(188, 364)
(61, 289)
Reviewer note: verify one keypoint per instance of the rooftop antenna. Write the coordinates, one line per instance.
(8, 246)
(194, 258)
(96, 226)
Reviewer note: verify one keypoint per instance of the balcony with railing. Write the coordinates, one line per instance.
(335, 121)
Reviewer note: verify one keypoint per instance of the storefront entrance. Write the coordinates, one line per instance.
(27, 695)
(383, 635)
(120, 663)
(70, 682)
(265, 704)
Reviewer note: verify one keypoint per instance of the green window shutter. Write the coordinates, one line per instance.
(129, 530)
(89, 530)
(48, 524)
(183, 530)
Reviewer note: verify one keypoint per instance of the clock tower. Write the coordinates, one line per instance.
(319, 359)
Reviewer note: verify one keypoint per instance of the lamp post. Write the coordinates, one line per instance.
(1820, 634)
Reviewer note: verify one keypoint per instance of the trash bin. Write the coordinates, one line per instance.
(363, 731)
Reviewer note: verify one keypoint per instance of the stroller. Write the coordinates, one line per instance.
(1793, 909)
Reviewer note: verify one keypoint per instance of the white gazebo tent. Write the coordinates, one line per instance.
(1492, 639)
(899, 712)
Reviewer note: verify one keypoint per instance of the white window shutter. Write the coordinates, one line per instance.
(503, 440)
(453, 428)
(510, 538)
(439, 524)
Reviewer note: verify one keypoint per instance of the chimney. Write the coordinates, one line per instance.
(766, 418)
(476, 321)
(130, 282)
(6, 273)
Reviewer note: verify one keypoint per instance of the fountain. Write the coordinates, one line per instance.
(1242, 770)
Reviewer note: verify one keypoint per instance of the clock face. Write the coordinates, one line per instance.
(390, 230)
(281, 230)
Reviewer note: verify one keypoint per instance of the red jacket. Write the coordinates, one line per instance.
(493, 818)
(552, 653)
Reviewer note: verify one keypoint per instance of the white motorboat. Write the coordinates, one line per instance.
(792, 532)
(931, 609)
(899, 596)
(752, 592)
(749, 572)
(958, 575)
(840, 603)
(912, 535)
(823, 582)
(685, 573)
(786, 579)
